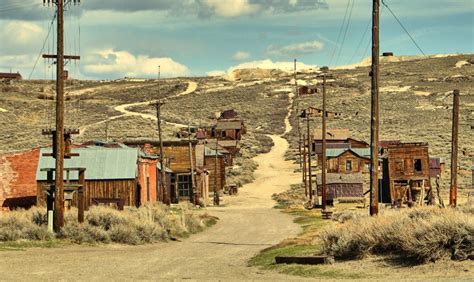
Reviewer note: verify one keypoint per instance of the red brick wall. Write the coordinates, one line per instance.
(18, 177)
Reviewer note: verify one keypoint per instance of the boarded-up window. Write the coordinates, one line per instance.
(399, 166)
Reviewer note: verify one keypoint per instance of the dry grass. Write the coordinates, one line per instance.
(417, 235)
(148, 224)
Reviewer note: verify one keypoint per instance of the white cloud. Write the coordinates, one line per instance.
(123, 63)
(269, 64)
(20, 37)
(232, 8)
(216, 73)
(240, 56)
(297, 49)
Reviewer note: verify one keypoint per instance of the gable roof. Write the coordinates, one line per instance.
(361, 152)
(332, 134)
(100, 163)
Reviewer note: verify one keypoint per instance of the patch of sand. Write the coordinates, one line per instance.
(460, 64)
(395, 89)
(2, 110)
(422, 93)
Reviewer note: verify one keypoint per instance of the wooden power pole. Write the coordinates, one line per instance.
(323, 165)
(164, 189)
(216, 193)
(454, 151)
(194, 195)
(310, 176)
(374, 122)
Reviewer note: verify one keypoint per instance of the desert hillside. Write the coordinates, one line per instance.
(415, 106)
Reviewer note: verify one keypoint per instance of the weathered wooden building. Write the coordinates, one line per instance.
(354, 160)
(216, 172)
(406, 174)
(10, 76)
(122, 176)
(437, 167)
(306, 90)
(340, 185)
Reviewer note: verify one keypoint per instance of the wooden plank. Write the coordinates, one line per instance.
(312, 260)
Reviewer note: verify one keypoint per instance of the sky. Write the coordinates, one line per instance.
(118, 38)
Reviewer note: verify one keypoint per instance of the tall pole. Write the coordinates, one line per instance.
(374, 122)
(164, 189)
(310, 185)
(59, 166)
(194, 198)
(296, 82)
(323, 165)
(216, 193)
(454, 151)
(304, 167)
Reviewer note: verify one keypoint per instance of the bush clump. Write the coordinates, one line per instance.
(420, 235)
(147, 224)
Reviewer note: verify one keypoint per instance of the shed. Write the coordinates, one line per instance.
(10, 76)
(117, 174)
(341, 185)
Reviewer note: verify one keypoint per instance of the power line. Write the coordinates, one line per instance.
(340, 31)
(44, 44)
(360, 41)
(345, 32)
(403, 27)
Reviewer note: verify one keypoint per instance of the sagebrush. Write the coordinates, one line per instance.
(147, 224)
(419, 235)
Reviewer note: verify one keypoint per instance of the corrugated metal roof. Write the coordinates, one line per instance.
(362, 152)
(339, 178)
(100, 163)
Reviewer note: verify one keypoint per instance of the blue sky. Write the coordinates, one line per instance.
(194, 37)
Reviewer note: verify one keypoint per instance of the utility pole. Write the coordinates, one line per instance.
(309, 160)
(216, 193)
(374, 122)
(454, 151)
(323, 165)
(194, 196)
(164, 189)
(61, 138)
(304, 166)
(296, 82)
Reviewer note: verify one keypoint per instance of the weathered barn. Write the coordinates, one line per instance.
(341, 185)
(406, 174)
(124, 176)
(18, 179)
(176, 154)
(355, 160)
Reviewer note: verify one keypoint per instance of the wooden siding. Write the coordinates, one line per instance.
(121, 189)
(338, 165)
(209, 164)
(338, 190)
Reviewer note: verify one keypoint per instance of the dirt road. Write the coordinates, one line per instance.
(248, 223)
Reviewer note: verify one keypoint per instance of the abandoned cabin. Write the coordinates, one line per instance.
(406, 174)
(118, 176)
(306, 90)
(345, 161)
(340, 185)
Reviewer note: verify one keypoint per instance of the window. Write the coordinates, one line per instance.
(184, 185)
(399, 166)
(417, 165)
(348, 165)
